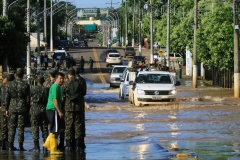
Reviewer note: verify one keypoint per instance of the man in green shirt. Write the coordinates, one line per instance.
(55, 114)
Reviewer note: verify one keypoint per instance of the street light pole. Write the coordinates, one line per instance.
(140, 30)
(133, 27)
(28, 46)
(51, 28)
(194, 78)
(126, 19)
(168, 33)
(38, 40)
(236, 50)
(45, 26)
(4, 66)
(151, 30)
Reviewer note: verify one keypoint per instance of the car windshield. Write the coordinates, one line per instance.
(63, 42)
(118, 69)
(130, 49)
(154, 78)
(114, 55)
(138, 58)
(112, 51)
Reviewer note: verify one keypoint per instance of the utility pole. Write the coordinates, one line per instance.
(38, 39)
(236, 50)
(194, 78)
(112, 3)
(28, 46)
(126, 15)
(45, 26)
(168, 33)
(140, 30)
(133, 24)
(51, 28)
(5, 62)
(151, 30)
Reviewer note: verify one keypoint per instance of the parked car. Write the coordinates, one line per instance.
(106, 52)
(63, 44)
(129, 51)
(154, 87)
(90, 40)
(76, 44)
(66, 56)
(115, 73)
(138, 59)
(113, 58)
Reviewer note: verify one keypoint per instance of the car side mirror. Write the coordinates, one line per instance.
(131, 83)
(178, 83)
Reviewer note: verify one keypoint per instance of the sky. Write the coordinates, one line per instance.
(96, 3)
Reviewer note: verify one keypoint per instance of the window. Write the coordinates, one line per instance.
(114, 55)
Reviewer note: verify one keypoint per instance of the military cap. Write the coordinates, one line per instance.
(10, 76)
(40, 78)
(76, 68)
(20, 71)
(52, 71)
(5, 75)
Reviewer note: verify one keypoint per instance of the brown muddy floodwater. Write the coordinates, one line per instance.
(205, 126)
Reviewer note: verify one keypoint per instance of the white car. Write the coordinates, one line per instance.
(115, 73)
(124, 83)
(154, 87)
(113, 58)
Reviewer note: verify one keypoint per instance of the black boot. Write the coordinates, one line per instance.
(82, 143)
(68, 148)
(1, 145)
(21, 147)
(36, 146)
(11, 147)
(61, 144)
(44, 149)
(4, 145)
(78, 144)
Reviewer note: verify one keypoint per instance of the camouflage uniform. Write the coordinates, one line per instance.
(73, 119)
(83, 83)
(17, 104)
(3, 118)
(39, 96)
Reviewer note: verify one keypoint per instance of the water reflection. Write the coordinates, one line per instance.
(5, 155)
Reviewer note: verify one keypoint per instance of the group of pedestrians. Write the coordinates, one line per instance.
(57, 102)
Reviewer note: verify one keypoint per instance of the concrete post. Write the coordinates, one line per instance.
(194, 78)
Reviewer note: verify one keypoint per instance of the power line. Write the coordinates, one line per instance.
(112, 3)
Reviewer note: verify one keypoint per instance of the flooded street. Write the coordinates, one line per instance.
(205, 125)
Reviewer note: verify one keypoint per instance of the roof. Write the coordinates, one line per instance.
(57, 51)
(154, 72)
(119, 65)
(33, 42)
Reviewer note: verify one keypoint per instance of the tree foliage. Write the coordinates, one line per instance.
(214, 34)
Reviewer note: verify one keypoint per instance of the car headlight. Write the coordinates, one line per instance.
(139, 91)
(173, 92)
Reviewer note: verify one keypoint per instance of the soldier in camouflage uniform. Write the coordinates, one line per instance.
(48, 82)
(83, 83)
(17, 106)
(73, 119)
(39, 97)
(6, 78)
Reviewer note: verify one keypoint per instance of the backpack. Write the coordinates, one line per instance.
(74, 90)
